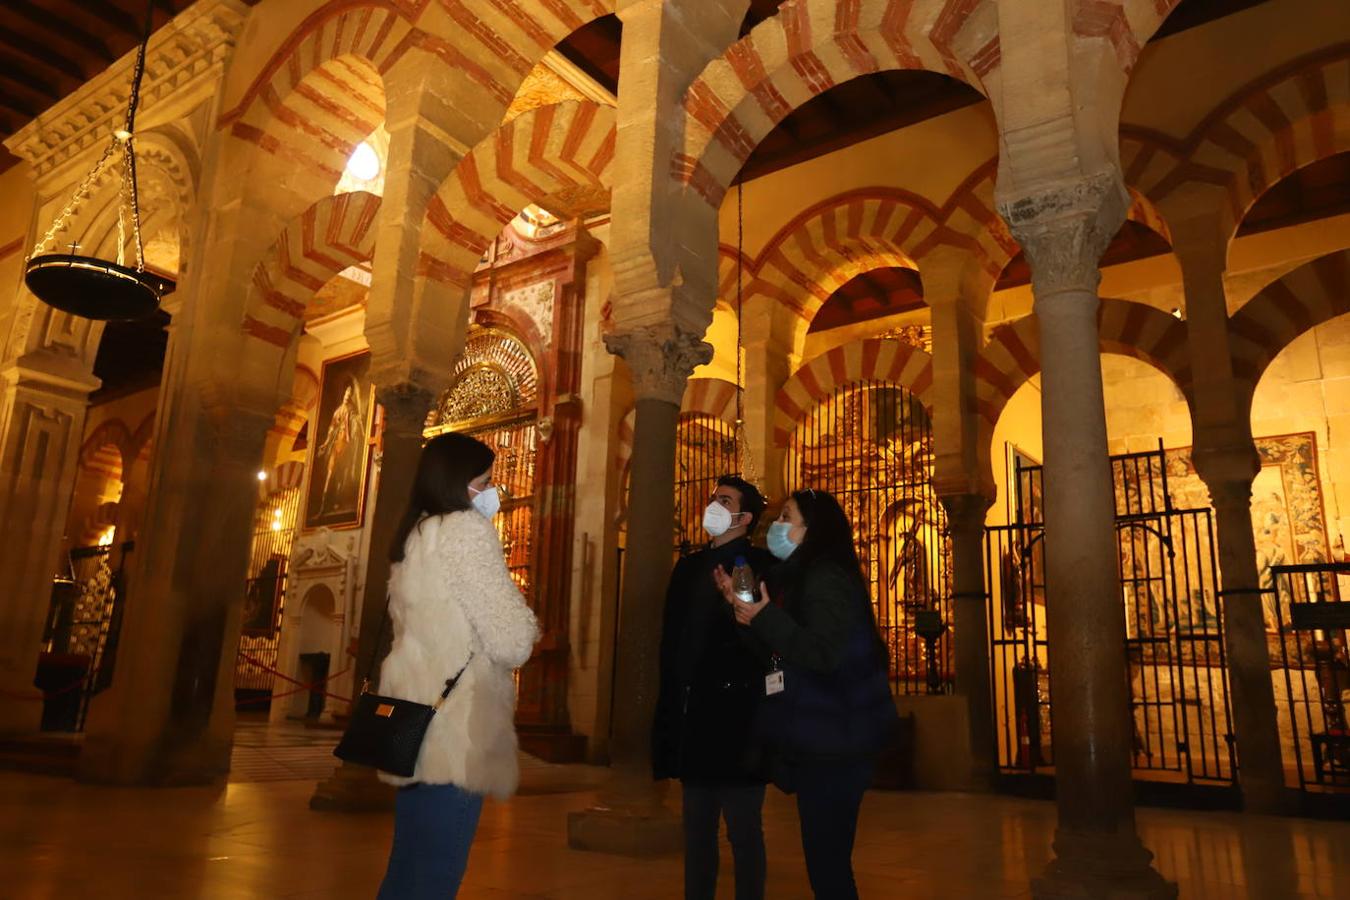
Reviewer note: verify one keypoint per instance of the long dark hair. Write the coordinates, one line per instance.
(447, 464)
(829, 538)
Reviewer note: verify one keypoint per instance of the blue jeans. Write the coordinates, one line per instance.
(434, 826)
(741, 806)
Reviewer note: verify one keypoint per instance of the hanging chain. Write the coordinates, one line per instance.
(129, 170)
(128, 191)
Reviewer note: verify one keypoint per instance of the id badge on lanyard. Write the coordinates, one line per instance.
(773, 682)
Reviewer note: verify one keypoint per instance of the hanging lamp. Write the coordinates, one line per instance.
(745, 460)
(87, 286)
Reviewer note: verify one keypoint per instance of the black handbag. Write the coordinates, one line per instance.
(386, 733)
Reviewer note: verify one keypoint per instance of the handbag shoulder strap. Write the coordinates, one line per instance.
(375, 655)
(451, 682)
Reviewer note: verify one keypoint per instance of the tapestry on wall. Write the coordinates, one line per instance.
(341, 446)
(1287, 511)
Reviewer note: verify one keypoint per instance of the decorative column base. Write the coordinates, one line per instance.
(629, 819)
(625, 833)
(1101, 867)
(354, 789)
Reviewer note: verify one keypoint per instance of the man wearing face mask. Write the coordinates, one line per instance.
(711, 683)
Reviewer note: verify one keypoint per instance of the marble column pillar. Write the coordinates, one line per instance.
(46, 397)
(168, 717)
(970, 622)
(630, 817)
(1226, 460)
(353, 788)
(1064, 230)
(1255, 722)
(768, 365)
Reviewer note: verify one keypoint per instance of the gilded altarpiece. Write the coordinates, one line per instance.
(516, 387)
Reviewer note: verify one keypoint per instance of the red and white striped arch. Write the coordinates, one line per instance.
(285, 477)
(870, 360)
(321, 92)
(108, 451)
(1288, 119)
(333, 234)
(1312, 294)
(1012, 355)
(551, 155)
(714, 397)
(807, 48)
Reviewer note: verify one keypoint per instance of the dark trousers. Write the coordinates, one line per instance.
(829, 796)
(704, 808)
(434, 826)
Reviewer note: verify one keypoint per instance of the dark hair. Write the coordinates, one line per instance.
(829, 537)
(752, 501)
(447, 464)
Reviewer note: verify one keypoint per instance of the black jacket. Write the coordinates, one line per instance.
(836, 702)
(711, 678)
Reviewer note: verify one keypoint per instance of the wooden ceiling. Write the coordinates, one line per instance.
(48, 48)
(871, 295)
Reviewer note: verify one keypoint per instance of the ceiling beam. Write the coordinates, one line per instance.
(62, 29)
(114, 16)
(62, 66)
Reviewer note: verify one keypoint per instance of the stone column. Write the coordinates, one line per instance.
(970, 621)
(46, 397)
(630, 818)
(1226, 459)
(768, 365)
(168, 717)
(353, 788)
(1064, 229)
(1229, 476)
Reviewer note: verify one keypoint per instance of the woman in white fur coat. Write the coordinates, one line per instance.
(453, 606)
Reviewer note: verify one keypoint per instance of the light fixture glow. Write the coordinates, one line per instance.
(364, 164)
(262, 476)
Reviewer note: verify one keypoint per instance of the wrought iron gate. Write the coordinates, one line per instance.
(1312, 618)
(705, 450)
(265, 598)
(83, 626)
(1174, 649)
(871, 445)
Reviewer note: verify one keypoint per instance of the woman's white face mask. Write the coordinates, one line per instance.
(487, 501)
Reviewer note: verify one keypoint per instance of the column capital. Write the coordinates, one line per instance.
(661, 358)
(1064, 228)
(966, 512)
(1218, 465)
(406, 407)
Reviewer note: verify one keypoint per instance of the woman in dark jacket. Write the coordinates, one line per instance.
(828, 710)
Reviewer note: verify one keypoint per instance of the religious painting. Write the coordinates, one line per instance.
(1288, 520)
(262, 600)
(340, 444)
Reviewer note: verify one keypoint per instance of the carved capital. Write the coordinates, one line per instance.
(1065, 228)
(966, 512)
(406, 407)
(661, 358)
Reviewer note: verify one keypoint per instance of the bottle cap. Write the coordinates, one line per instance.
(740, 561)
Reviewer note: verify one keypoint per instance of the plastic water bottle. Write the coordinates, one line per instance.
(743, 581)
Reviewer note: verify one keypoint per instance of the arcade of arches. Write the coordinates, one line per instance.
(1054, 296)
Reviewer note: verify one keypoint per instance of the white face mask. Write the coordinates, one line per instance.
(488, 502)
(716, 519)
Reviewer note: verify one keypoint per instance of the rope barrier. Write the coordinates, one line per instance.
(303, 686)
(41, 696)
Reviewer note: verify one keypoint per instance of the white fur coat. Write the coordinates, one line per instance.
(450, 595)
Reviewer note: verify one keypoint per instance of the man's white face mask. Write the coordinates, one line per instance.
(716, 519)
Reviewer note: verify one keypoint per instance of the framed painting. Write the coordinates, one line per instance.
(339, 454)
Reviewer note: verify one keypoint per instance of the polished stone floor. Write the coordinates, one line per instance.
(256, 838)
